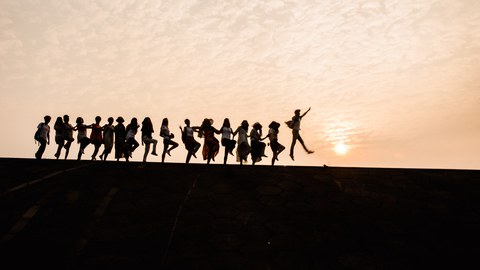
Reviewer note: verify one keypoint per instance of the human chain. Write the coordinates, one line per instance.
(123, 138)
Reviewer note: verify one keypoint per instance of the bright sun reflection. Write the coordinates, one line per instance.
(341, 148)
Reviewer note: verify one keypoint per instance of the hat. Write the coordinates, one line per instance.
(120, 119)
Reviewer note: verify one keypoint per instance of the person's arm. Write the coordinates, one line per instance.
(305, 112)
(216, 130)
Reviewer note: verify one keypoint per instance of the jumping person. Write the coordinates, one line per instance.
(43, 138)
(188, 139)
(227, 141)
(295, 126)
(167, 139)
(147, 138)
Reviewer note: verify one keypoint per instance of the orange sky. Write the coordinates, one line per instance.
(395, 81)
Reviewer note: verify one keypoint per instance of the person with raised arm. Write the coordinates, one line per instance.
(294, 124)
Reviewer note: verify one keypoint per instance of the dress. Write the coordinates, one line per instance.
(243, 148)
(108, 131)
(211, 146)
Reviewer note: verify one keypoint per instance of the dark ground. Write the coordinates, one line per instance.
(109, 215)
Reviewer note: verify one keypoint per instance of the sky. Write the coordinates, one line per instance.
(392, 83)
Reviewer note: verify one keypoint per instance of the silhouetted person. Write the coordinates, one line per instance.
(243, 148)
(108, 131)
(295, 126)
(167, 139)
(68, 132)
(147, 138)
(132, 143)
(96, 136)
(227, 141)
(276, 147)
(82, 137)
(258, 147)
(59, 128)
(43, 136)
(188, 139)
(211, 145)
(120, 139)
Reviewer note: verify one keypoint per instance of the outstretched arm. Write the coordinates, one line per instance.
(309, 108)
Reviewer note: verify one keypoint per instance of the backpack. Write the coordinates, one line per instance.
(37, 133)
(289, 123)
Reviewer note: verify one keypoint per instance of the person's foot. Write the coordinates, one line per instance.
(57, 155)
(291, 156)
(194, 155)
(231, 153)
(154, 153)
(310, 152)
(325, 166)
(101, 157)
(168, 153)
(93, 158)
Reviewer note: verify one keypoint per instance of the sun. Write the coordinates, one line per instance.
(341, 148)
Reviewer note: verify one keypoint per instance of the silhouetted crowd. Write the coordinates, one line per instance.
(122, 139)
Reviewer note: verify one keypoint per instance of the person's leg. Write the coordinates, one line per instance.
(165, 147)
(303, 144)
(41, 148)
(173, 146)
(154, 151)
(67, 148)
(226, 155)
(147, 149)
(59, 148)
(294, 140)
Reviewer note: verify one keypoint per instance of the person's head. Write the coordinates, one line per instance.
(274, 125)
(257, 126)
(146, 121)
(207, 123)
(110, 120)
(98, 119)
(165, 122)
(66, 118)
(134, 121)
(79, 120)
(187, 122)
(120, 119)
(297, 112)
(58, 121)
(244, 125)
(226, 123)
(47, 119)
